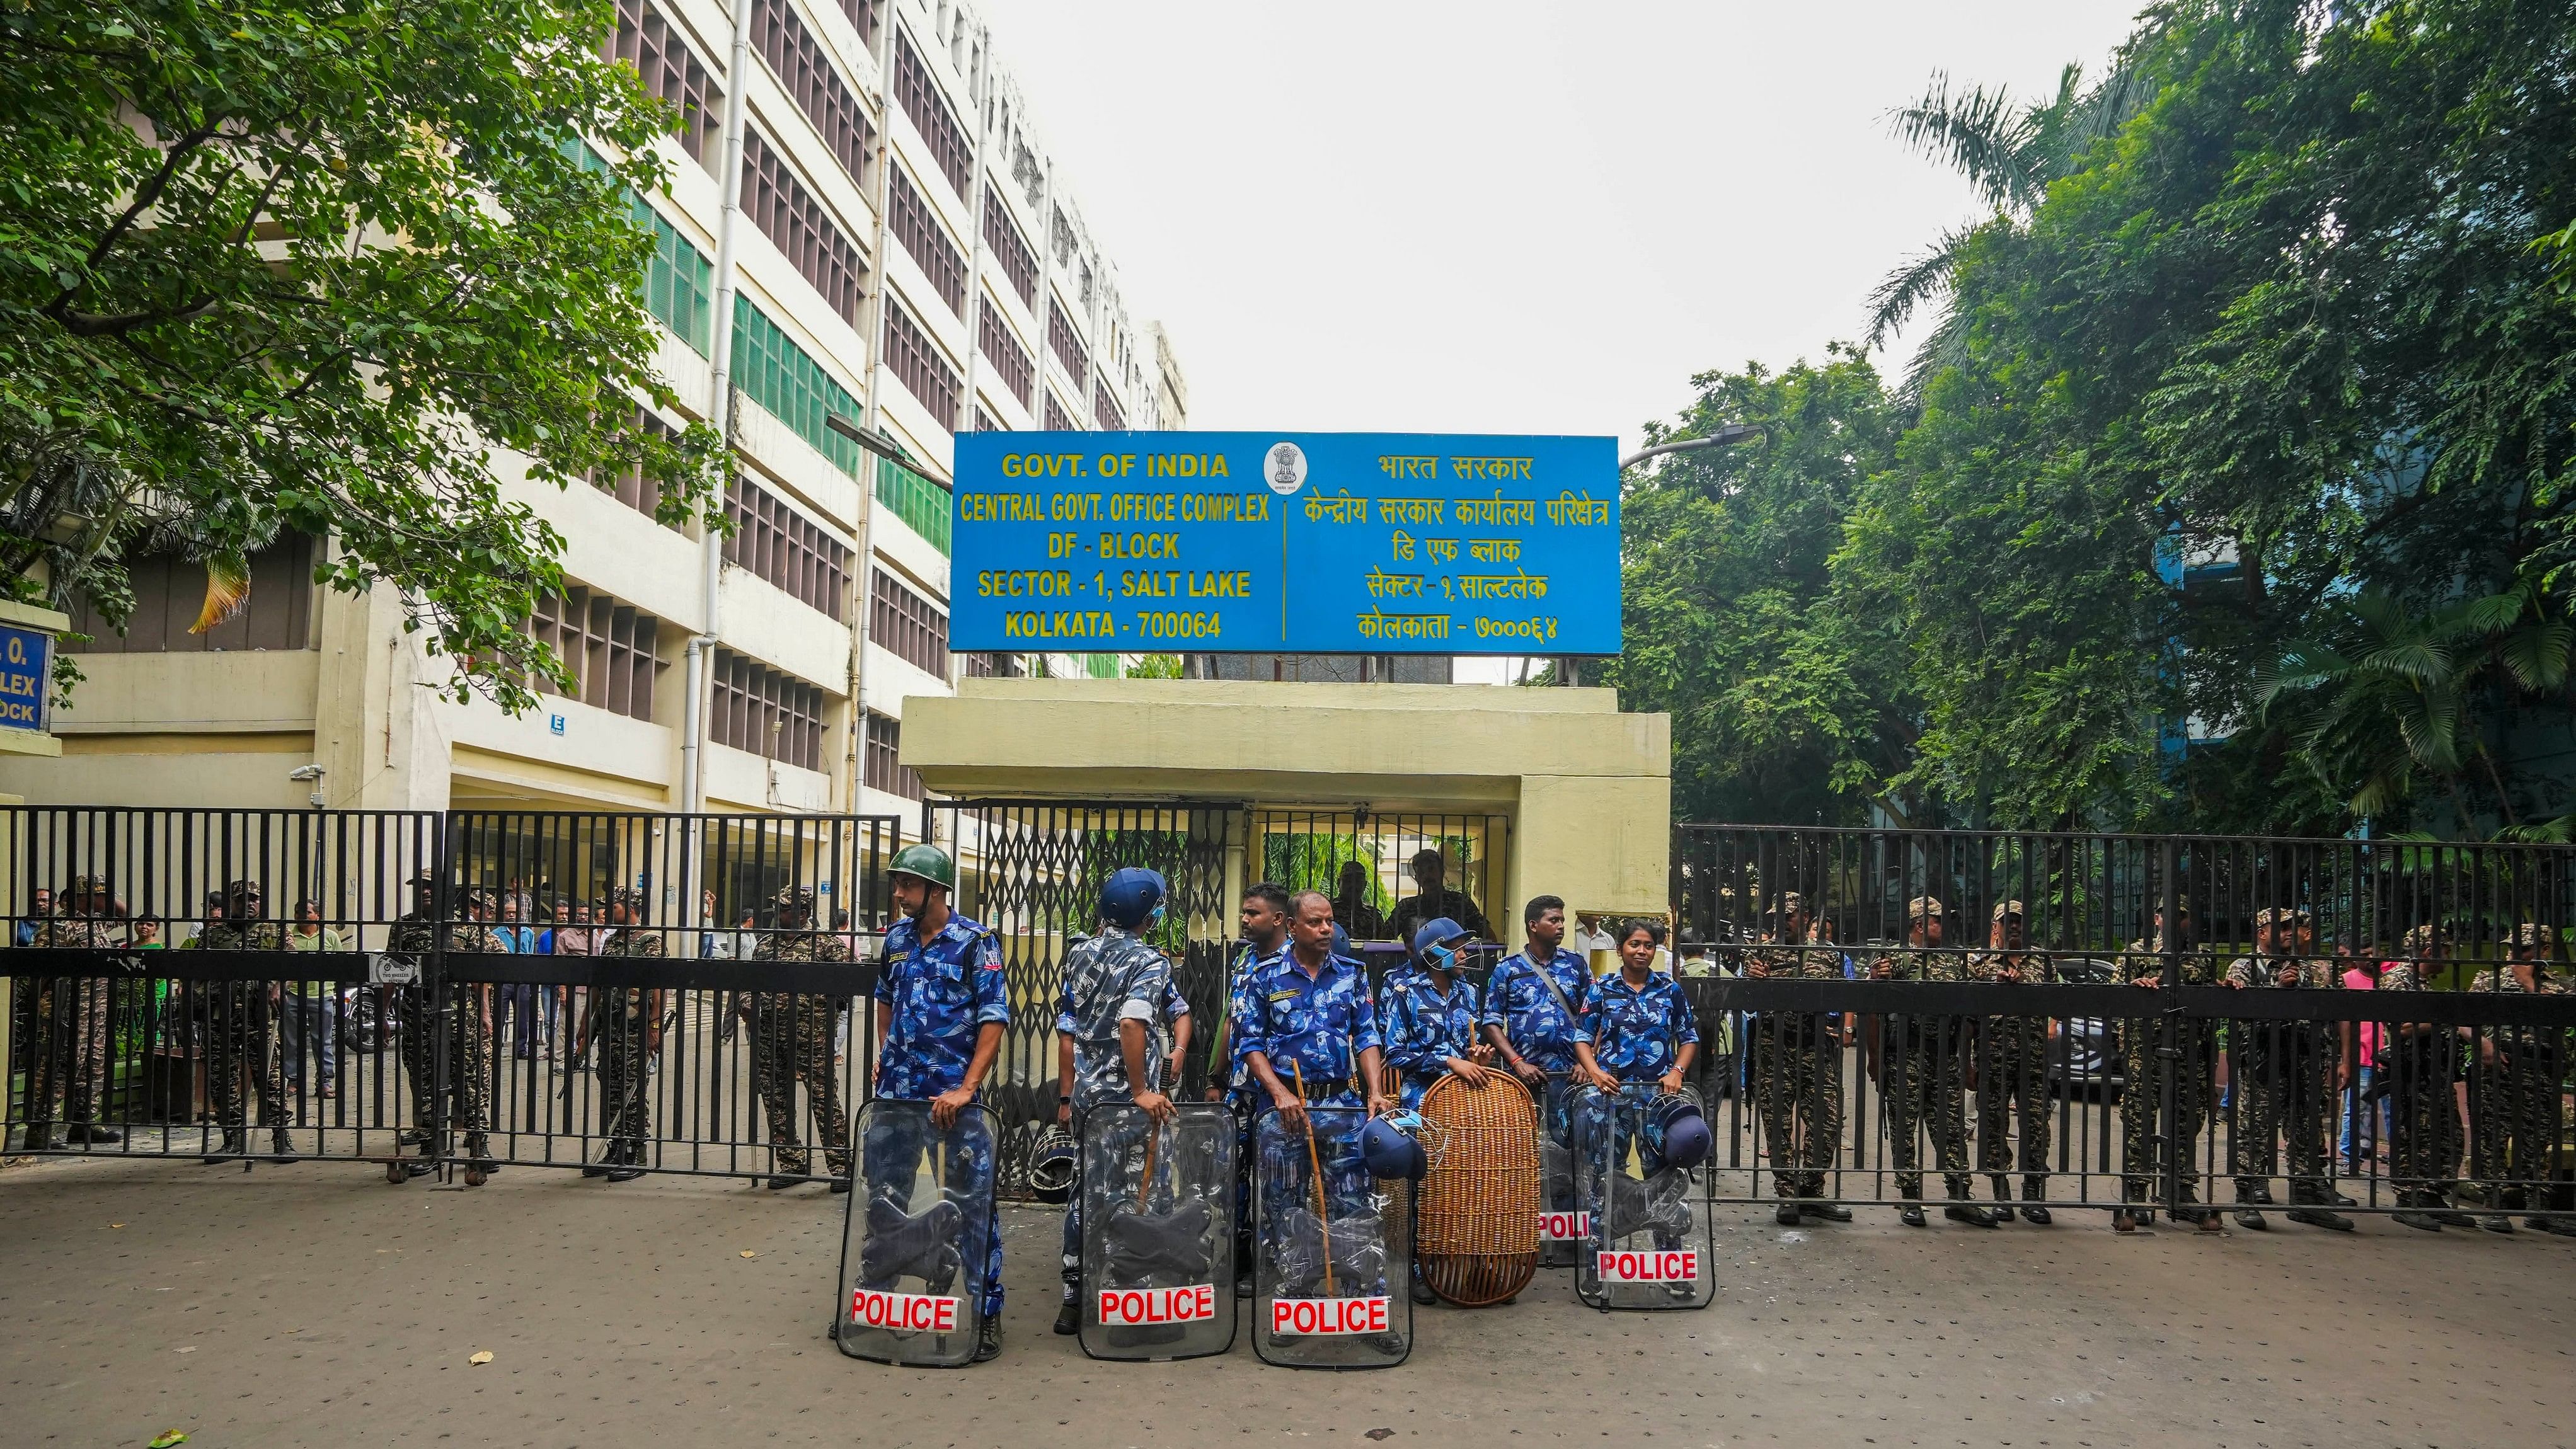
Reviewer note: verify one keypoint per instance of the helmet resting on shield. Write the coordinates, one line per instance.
(1392, 1151)
(929, 862)
(1684, 1130)
(1132, 897)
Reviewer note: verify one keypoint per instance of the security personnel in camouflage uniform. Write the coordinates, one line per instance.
(68, 1053)
(2012, 1067)
(1116, 986)
(1798, 1068)
(241, 1030)
(791, 1042)
(1922, 1075)
(625, 1022)
(2286, 1077)
(2515, 1106)
(1428, 1019)
(2142, 1097)
(2422, 1064)
(467, 1029)
(942, 1006)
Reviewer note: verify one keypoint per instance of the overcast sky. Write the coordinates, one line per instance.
(1506, 216)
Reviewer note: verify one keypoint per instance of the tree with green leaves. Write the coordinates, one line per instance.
(333, 267)
(1788, 704)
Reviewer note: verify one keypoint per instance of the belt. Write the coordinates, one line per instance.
(1317, 1091)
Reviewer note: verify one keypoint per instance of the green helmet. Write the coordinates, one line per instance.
(928, 862)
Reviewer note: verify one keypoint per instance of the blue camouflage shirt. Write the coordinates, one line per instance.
(1233, 1073)
(1110, 979)
(942, 992)
(1636, 1032)
(1319, 1024)
(1426, 1026)
(1519, 1001)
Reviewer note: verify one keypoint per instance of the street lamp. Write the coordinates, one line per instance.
(1726, 436)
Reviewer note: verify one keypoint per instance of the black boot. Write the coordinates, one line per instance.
(281, 1146)
(91, 1132)
(1912, 1215)
(236, 1143)
(1068, 1319)
(988, 1341)
(1832, 1212)
(1786, 1214)
(1971, 1214)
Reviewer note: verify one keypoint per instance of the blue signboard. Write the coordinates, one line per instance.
(26, 678)
(1306, 543)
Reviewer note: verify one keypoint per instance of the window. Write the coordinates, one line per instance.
(908, 626)
(629, 485)
(920, 367)
(774, 372)
(760, 711)
(924, 506)
(789, 215)
(975, 666)
(611, 649)
(807, 74)
(1057, 419)
(885, 769)
(646, 41)
(918, 94)
(1011, 251)
(773, 541)
(1067, 348)
(1011, 362)
(1105, 408)
(917, 227)
(865, 16)
(679, 279)
(169, 592)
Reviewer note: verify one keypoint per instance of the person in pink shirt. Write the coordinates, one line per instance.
(2361, 973)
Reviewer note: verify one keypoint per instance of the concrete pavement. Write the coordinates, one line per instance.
(314, 1304)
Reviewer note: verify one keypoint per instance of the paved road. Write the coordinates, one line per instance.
(315, 1305)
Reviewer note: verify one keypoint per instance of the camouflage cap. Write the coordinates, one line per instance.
(2281, 916)
(799, 898)
(2530, 936)
(1922, 906)
(475, 898)
(627, 896)
(2421, 939)
(2008, 908)
(83, 885)
(1789, 901)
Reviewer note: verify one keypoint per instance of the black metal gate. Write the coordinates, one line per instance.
(1032, 871)
(2044, 1038)
(474, 986)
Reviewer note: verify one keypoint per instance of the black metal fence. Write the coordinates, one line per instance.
(1893, 1015)
(467, 987)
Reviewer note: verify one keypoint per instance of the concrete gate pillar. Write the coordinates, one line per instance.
(1589, 789)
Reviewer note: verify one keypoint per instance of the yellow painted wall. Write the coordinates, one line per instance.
(1589, 788)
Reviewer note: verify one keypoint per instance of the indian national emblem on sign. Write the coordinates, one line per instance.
(1287, 468)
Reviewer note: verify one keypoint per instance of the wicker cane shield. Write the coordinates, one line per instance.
(1480, 1203)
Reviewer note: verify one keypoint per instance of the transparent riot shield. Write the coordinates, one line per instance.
(1651, 1243)
(1332, 1247)
(914, 1250)
(1562, 1226)
(1157, 1233)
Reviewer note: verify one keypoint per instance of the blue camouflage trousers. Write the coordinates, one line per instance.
(892, 1151)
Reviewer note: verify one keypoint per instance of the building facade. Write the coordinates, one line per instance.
(907, 261)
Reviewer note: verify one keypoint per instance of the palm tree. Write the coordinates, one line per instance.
(2010, 155)
(2396, 695)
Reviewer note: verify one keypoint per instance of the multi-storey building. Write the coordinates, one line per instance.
(906, 261)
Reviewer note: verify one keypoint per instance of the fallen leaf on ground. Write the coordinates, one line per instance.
(748, 1253)
(168, 1437)
(1381, 1434)
(483, 1357)
(116, 1225)
(191, 1348)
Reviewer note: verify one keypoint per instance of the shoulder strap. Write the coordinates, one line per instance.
(1548, 977)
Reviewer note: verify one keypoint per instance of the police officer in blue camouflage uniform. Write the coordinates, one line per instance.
(1430, 1015)
(1116, 986)
(941, 1009)
(1636, 1039)
(1264, 918)
(1532, 1003)
(1307, 1034)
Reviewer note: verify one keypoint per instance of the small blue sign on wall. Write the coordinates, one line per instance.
(1325, 543)
(26, 679)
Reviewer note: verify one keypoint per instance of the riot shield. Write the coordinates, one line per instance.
(1562, 1226)
(920, 1225)
(1157, 1233)
(1651, 1243)
(1332, 1247)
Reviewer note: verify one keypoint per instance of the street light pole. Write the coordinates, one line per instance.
(1568, 668)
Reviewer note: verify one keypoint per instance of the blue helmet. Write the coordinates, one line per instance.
(1434, 939)
(1391, 1151)
(1677, 1121)
(1341, 940)
(1132, 897)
